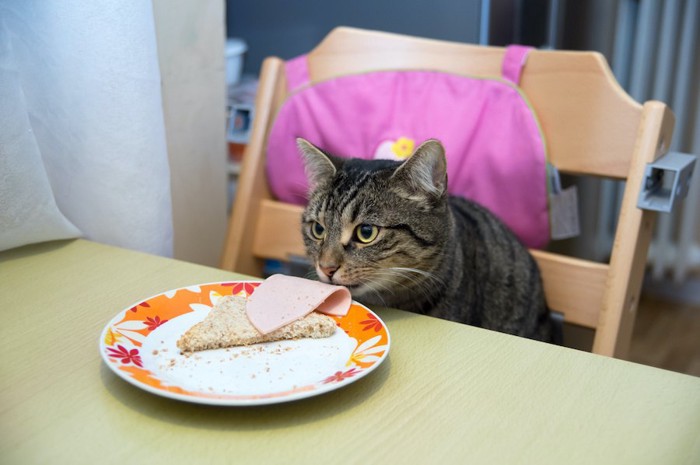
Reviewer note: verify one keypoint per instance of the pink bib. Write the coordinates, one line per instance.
(495, 149)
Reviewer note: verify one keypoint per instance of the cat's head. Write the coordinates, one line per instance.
(375, 226)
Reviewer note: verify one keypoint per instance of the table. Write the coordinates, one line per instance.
(448, 393)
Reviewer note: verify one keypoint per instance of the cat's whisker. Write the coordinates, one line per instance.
(387, 277)
(404, 273)
(421, 286)
(427, 285)
(369, 284)
(311, 274)
(383, 283)
(423, 273)
(414, 280)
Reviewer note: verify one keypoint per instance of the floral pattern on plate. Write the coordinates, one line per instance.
(139, 346)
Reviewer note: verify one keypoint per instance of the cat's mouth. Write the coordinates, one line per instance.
(351, 287)
(335, 281)
(356, 290)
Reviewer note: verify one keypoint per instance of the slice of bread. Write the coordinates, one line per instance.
(227, 325)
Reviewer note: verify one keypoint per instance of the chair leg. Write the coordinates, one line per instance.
(252, 186)
(632, 238)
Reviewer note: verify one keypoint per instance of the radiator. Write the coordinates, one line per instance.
(655, 56)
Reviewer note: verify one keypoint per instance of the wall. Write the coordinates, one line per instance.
(286, 29)
(191, 38)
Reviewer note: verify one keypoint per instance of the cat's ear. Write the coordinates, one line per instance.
(425, 172)
(318, 165)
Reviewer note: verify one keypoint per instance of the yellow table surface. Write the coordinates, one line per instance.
(448, 393)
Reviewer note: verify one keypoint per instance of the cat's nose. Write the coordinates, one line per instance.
(328, 270)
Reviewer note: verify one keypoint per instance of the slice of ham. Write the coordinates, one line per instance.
(281, 299)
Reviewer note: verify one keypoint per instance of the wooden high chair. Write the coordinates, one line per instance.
(592, 127)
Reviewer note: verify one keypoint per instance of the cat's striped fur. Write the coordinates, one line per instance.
(433, 253)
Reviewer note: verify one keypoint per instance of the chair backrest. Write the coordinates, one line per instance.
(591, 125)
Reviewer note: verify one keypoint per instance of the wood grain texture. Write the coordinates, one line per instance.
(474, 397)
(279, 231)
(573, 287)
(632, 238)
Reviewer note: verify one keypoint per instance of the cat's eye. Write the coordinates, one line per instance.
(317, 230)
(366, 233)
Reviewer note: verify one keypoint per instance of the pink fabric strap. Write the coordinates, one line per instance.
(297, 72)
(514, 62)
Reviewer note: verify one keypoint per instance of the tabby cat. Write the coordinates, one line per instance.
(389, 232)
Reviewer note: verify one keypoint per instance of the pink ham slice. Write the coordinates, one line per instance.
(281, 299)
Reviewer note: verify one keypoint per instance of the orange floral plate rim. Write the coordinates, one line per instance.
(120, 345)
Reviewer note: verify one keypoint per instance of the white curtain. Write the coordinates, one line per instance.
(82, 138)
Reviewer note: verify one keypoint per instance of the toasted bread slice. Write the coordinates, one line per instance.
(227, 325)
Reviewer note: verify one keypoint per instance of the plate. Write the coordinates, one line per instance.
(139, 345)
